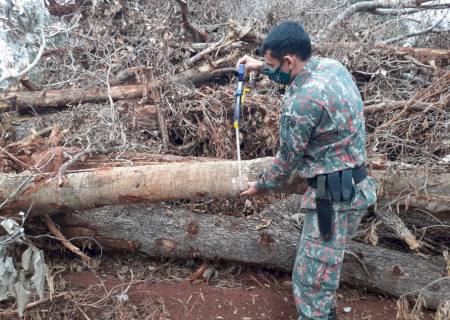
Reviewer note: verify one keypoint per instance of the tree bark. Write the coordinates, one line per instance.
(182, 234)
(193, 180)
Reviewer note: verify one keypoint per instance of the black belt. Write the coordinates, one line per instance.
(358, 173)
(334, 187)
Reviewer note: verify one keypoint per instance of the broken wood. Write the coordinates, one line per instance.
(180, 233)
(194, 180)
(393, 222)
(115, 159)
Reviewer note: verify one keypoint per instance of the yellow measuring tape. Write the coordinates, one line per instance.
(246, 90)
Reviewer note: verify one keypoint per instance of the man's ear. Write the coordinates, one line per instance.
(289, 59)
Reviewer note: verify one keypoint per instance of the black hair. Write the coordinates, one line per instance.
(288, 37)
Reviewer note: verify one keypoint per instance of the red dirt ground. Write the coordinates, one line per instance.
(185, 301)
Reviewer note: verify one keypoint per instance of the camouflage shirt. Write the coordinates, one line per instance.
(322, 130)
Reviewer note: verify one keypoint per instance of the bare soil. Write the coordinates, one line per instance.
(256, 299)
(134, 287)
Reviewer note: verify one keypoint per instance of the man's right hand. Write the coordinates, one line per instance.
(251, 64)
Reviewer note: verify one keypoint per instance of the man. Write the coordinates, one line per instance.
(322, 138)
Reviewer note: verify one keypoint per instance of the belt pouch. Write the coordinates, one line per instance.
(347, 188)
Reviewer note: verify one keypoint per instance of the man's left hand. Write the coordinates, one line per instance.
(251, 191)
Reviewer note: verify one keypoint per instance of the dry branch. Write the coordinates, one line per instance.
(413, 34)
(439, 85)
(372, 6)
(59, 10)
(232, 39)
(66, 243)
(12, 74)
(196, 32)
(161, 120)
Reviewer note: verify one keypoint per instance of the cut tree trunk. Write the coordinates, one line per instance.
(121, 185)
(193, 180)
(10, 101)
(270, 243)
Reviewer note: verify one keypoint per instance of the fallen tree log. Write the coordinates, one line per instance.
(193, 180)
(441, 55)
(119, 185)
(271, 243)
(10, 101)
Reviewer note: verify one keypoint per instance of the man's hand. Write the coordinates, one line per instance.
(251, 64)
(251, 191)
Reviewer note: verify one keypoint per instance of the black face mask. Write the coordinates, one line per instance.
(277, 75)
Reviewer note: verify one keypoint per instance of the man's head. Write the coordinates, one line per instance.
(286, 50)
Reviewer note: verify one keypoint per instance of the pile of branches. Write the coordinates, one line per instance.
(193, 117)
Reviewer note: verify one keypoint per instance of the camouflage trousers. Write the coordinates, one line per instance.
(317, 268)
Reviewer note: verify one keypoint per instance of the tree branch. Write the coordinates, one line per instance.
(66, 243)
(412, 34)
(195, 30)
(14, 74)
(372, 6)
(394, 12)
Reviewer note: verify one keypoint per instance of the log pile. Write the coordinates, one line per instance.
(161, 131)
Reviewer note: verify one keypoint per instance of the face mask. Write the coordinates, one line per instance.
(277, 75)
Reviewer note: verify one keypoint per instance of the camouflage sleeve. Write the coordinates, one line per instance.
(296, 124)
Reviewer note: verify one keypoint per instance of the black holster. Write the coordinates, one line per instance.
(324, 208)
(334, 187)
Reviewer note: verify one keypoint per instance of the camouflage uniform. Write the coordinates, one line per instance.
(321, 131)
